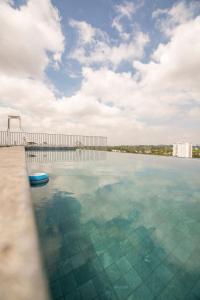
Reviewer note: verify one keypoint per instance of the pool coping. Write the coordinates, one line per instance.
(21, 272)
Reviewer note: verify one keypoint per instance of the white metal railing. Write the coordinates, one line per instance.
(11, 138)
(59, 156)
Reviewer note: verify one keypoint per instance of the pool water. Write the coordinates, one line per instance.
(123, 227)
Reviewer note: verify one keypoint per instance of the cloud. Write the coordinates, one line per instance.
(85, 31)
(95, 47)
(168, 19)
(176, 63)
(31, 38)
(125, 11)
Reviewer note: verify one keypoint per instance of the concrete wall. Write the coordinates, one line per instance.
(21, 275)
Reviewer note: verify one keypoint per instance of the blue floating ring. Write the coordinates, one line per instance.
(38, 178)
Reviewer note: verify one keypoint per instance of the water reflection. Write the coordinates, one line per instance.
(134, 234)
(64, 155)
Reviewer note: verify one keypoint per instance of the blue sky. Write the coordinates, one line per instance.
(100, 13)
(125, 69)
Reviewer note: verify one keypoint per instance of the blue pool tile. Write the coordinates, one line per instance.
(176, 288)
(95, 266)
(145, 246)
(183, 251)
(71, 248)
(189, 279)
(83, 274)
(115, 251)
(99, 247)
(143, 232)
(89, 252)
(102, 283)
(108, 294)
(132, 256)
(134, 239)
(125, 245)
(78, 260)
(122, 289)
(56, 290)
(75, 295)
(132, 278)
(172, 263)
(192, 296)
(159, 279)
(144, 267)
(123, 264)
(88, 291)
(165, 295)
(53, 273)
(68, 283)
(141, 293)
(84, 241)
(159, 252)
(113, 273)
(65, 267)
(196, 289)
(106, 259)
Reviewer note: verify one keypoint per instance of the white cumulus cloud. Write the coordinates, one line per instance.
(95, 47)
(27, 35)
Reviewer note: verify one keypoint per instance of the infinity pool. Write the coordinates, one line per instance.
(119, 226)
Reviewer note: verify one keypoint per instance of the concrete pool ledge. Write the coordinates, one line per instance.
(21, 274)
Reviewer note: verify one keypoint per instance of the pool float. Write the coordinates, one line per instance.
(38, 178)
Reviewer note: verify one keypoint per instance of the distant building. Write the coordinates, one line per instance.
(182, 150)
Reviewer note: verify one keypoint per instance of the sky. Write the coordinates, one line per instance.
(128, 70)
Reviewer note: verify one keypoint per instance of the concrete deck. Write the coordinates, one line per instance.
(21, 275)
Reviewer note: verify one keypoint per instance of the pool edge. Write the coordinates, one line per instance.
(21, 273)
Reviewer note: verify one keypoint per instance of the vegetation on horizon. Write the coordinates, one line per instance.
(165, 150)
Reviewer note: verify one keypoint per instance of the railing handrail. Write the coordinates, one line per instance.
(43, 138)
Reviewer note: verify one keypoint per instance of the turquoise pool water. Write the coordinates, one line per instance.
(120, 226)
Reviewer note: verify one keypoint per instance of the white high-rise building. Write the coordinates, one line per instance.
(182, 150)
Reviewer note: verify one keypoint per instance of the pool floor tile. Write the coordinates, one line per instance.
(123, 264)
(125, 245)
(88, 291)
(106, 259)
(113, 273)
(196, 289)
(143, 267)
(183, 251)
(115, 252)
(192, 296)
(56, 290)
(102, 283)
(95, 266)
(83, 274)
(89, 252)
(165, 295)
(141, 293)
(68, 283)
(176, 288)
(122, 289)
(132, 256)
(172, 263)
(159, 279)
(75, 295)
(187, 278)
(132, 278)
(108, 294)
(65, 267)
(78, 260)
